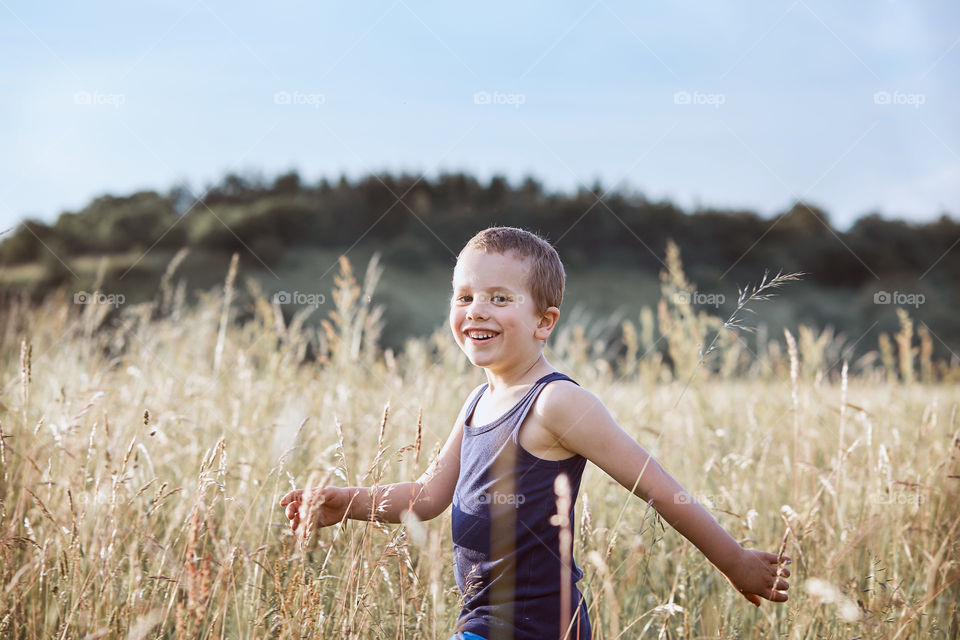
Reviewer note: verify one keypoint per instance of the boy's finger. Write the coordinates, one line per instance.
(287, 498)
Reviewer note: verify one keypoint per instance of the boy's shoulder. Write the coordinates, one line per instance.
(578, 421)
(564, 401)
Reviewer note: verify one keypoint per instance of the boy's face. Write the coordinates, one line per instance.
(491, 298)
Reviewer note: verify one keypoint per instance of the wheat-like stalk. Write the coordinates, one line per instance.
(748, 294)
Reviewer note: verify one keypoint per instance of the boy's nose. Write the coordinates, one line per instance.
(475, 310)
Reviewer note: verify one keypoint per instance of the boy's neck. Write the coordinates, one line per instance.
(520, 374)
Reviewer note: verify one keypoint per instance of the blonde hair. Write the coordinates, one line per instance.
(545, 275)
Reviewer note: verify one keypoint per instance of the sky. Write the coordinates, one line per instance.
(709, 104)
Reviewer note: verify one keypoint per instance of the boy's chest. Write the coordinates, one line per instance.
(534, 435)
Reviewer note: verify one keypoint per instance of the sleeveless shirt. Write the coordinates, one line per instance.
(507, 557)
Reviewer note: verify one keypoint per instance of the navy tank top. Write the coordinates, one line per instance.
(507, 556)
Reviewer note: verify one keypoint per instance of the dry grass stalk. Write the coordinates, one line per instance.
(25, 351)
(841, 454)
(561, 519)
(795, 397)
(419, 436)
(926, 354)
(905, 351)
(166, 290)
(195, 585)
(228, 292)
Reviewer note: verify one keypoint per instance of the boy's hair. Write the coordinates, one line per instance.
(545, 275)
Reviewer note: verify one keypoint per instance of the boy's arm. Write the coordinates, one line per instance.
(427, 497)
(583, 425)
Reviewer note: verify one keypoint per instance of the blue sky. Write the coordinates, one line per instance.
(750, 104)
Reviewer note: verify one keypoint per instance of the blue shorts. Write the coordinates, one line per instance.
(466, 635)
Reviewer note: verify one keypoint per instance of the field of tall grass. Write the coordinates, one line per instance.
(146, 447)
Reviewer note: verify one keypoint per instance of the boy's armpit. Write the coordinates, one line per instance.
(438, 481)
(434, 464)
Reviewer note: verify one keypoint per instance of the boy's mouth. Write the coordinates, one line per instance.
(480, 335)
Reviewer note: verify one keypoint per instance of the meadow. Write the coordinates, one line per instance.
(145, 448)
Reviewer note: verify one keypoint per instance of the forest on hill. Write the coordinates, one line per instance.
(854, 277)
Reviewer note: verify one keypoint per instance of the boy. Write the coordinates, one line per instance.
(513, 489)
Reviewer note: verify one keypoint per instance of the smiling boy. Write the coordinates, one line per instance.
(514, 437)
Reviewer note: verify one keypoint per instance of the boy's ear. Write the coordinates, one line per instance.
(548, 321)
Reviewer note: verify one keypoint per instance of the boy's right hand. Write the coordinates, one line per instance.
(323, 507)
(758, 574)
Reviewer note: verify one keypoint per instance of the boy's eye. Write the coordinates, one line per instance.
(496, 299)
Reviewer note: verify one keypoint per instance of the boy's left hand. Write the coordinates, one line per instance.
(759, 574)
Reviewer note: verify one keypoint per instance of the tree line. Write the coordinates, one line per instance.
(416, 220)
